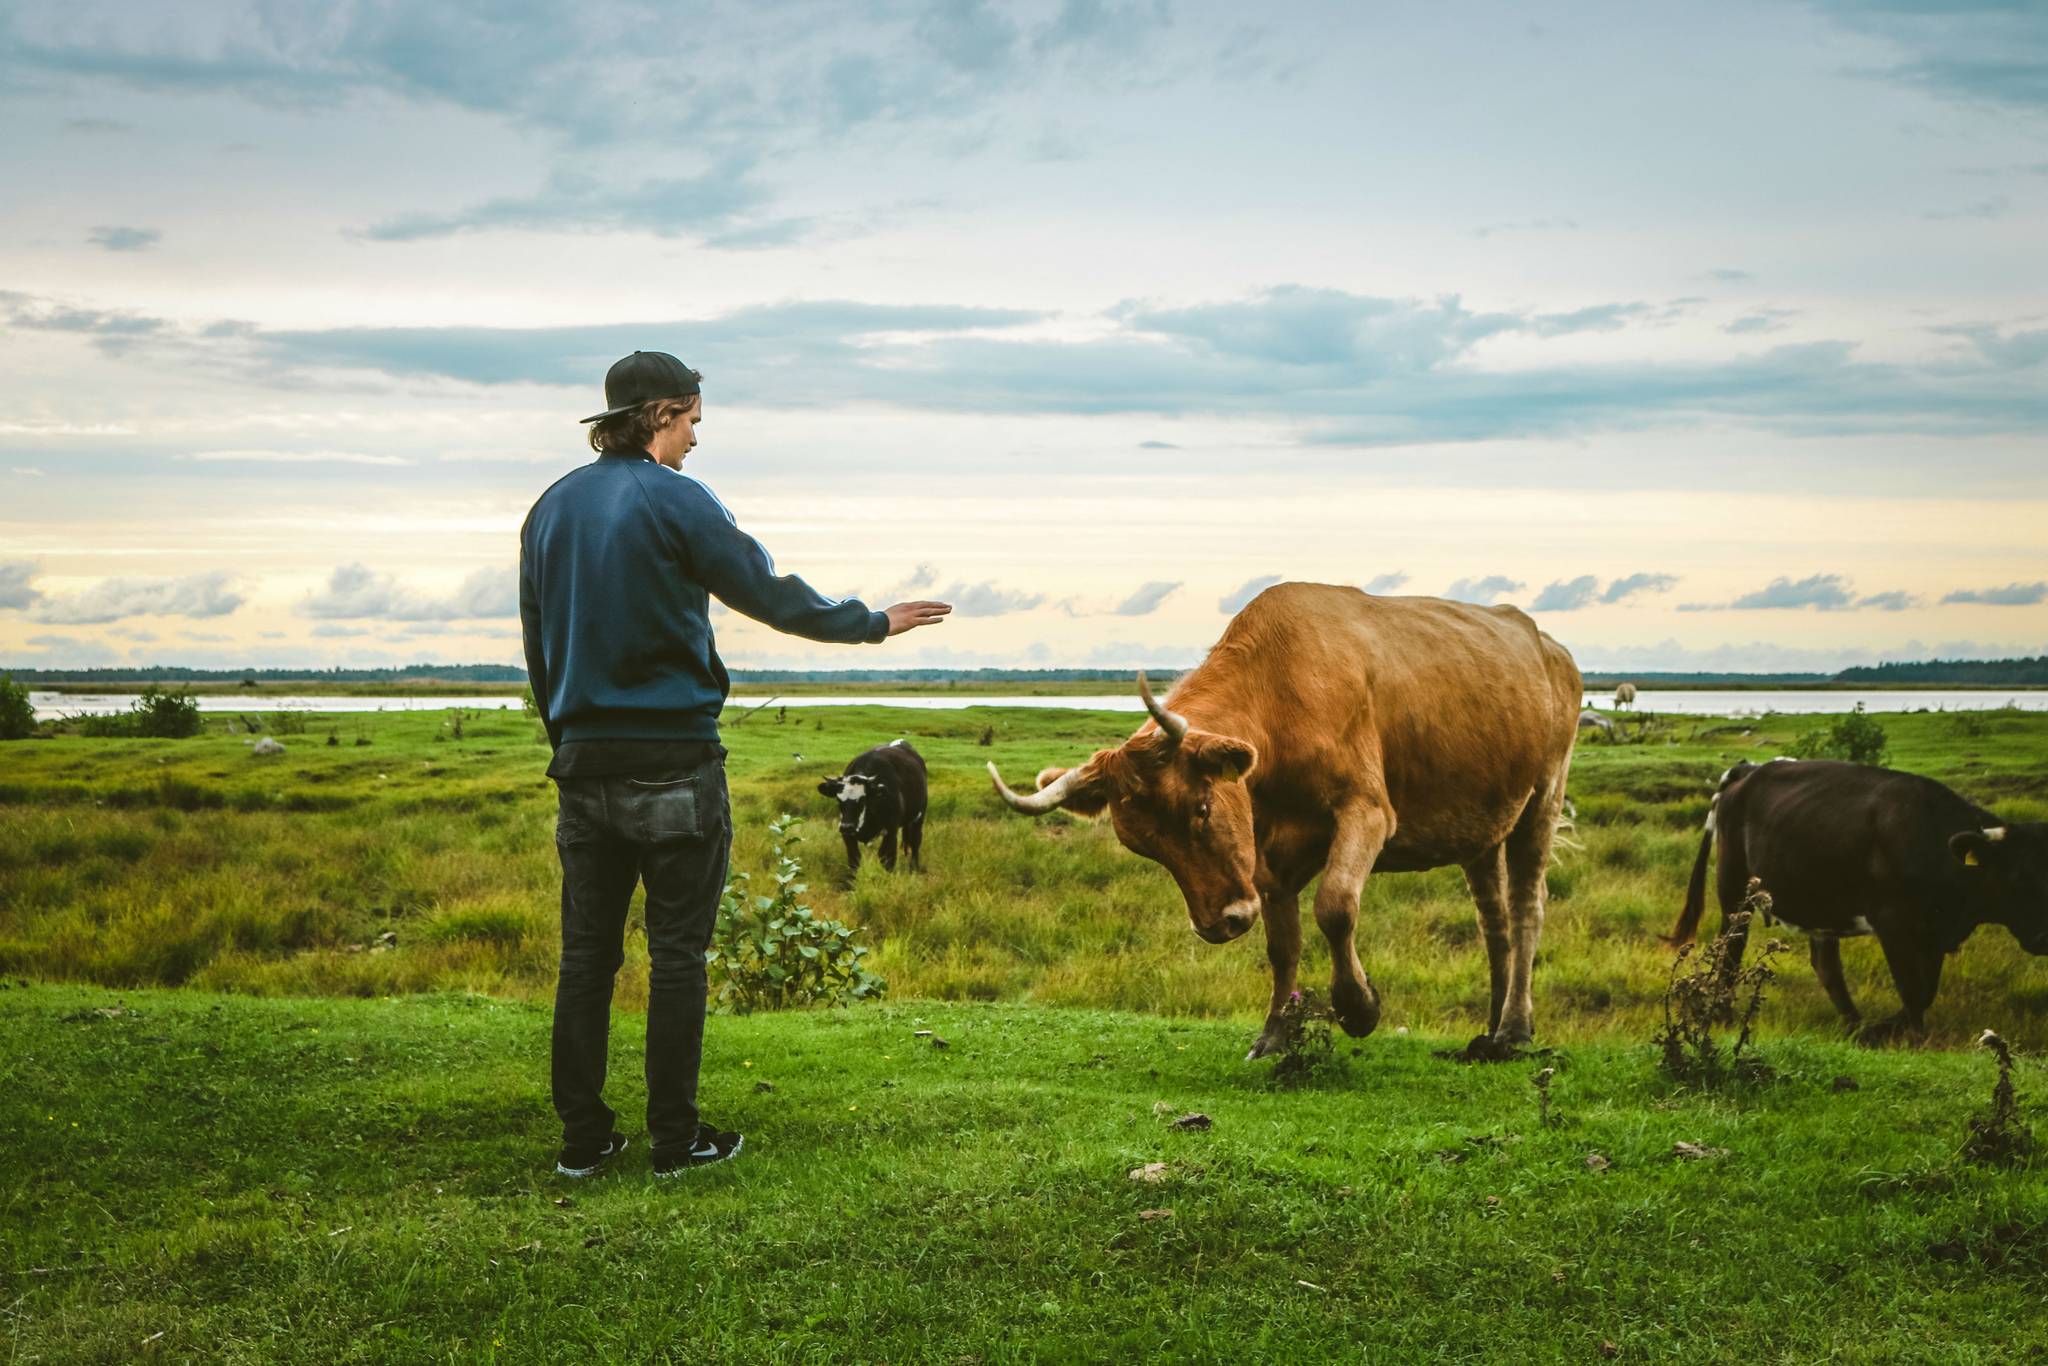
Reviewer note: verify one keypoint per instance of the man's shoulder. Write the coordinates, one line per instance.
(686, 491)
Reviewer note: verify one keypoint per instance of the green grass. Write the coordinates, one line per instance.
(200, 1177)
(138, 862)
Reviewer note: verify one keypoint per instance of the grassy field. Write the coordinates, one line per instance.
(199, 1177)
(159, 862)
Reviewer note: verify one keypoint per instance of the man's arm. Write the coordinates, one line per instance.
(739, 572)
(529, 634)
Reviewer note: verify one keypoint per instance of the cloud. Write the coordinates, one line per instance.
(1980, 52)
(1146, 599)
(1386, 583)
(124, 239)
(295, 458)
(1821, 592)
(985, 599)
(1997, 206)
(1345, 370)
(1629, 586)
(703, 205)
(193, 595)
(1566, 596)
(1157, 446)
(1762, 320)
(1727, 276)
(16, 592)
(1233, 602)
(1484, 591)
(353, 592)
(2012, 595)
(1527, 225)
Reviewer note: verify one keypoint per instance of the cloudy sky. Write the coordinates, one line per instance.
(1715, 334)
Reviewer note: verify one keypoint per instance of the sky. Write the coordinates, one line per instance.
(1714, 335)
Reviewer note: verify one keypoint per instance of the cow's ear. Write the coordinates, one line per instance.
(1973, 848)
(829, 787)
(1221, 757)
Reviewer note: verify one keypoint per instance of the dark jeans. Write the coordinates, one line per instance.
(674, 835)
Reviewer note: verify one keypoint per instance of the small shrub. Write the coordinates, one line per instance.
(1546, 1118)
(1968, 725)
(164, 715)
(1699, 1000)
(1307, 1048)
(1999, 1137)
(287, 723)
(987, 736)
(775, 952)
(17, 715)
(1856, 738)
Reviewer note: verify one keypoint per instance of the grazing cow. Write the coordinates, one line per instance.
(881, 793)
(1333, 732)
(1846, 850)
(1624, 695)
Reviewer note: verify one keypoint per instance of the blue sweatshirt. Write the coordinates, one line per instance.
(617, 562)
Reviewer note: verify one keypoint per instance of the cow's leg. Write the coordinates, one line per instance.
(888, 850)
(1915, 962)
(1527, 853)
(1280, 913)
(1732, 889)
(1825, 951)
(1362, 831)
(1487, 877)
(913, 842)
(852, 852)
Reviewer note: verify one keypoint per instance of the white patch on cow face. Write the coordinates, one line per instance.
(852, 790)
(1996, 832)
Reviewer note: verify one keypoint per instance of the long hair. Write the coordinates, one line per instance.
(634, 429)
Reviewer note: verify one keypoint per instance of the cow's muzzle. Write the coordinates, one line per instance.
(1235, 920)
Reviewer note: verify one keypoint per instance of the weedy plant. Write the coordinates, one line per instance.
(1705, 986)
(155, 715)
(17, 714)
(773, 952)
(1308, 1051)
(1854, 737)
(1546, 1117)
(1999, 1137)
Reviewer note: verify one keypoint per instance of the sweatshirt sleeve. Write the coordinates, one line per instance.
(530, 637)
(738, 571)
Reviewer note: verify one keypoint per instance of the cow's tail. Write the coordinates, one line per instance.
(1696, 885)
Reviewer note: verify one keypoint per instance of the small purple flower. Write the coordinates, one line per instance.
(1294, 996)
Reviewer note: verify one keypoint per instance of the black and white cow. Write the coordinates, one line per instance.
(1847, 849)
(882, 792)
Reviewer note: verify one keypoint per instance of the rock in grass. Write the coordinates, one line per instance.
(1694, 1152)
(265, 747)
(1151, 1172)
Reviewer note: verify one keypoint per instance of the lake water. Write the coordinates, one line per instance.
(1692, 702)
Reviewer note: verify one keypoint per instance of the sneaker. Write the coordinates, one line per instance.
(587, 1161)
(711, 1145)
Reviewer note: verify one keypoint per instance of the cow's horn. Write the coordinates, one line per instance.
(1047, 798)
(1174, 725)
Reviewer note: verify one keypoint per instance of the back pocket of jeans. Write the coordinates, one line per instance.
(654, 813)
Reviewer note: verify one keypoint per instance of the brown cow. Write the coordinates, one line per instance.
(1335, 732)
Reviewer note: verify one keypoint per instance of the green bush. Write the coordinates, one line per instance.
(17, 717)
(1854, 737)
(166, 715)
(774, 952)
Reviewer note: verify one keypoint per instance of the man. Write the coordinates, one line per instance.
(617, 563)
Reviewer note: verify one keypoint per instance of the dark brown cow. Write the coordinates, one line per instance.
(1335, 732)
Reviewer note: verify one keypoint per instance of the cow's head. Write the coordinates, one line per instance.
(2009, 864)
(855, 792)
(1176, 795)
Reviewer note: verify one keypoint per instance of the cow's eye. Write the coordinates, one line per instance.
(1202, 811)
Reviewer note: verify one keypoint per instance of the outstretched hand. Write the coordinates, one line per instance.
(908, 616)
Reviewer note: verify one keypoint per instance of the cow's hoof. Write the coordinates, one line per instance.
(1896, 1030)
(1356, 1006)
(1267, 1045)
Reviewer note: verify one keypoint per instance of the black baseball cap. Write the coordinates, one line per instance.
(645, 377)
